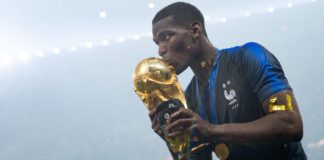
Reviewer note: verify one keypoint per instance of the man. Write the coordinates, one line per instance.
(239, 97)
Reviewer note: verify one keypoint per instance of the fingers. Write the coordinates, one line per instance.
(155, 126)
(153, 118)
(152, 114)
(187, 130)
(181, 113)
(181, 124)
(154, 123)
(157, 130)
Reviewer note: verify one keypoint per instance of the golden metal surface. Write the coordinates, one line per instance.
(289, 103)
(179, 144)
(155, 81)
(283, 107)
(222, 151)
(193, 150)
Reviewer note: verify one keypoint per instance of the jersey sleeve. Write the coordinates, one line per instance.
(262, 71)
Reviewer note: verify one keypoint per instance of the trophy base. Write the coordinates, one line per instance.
(193, 150)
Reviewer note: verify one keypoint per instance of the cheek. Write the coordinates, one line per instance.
(179, 46)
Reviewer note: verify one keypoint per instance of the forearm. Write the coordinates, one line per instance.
(277, 127)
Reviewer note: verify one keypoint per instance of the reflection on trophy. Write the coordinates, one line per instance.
(157, 86)
(156, 82)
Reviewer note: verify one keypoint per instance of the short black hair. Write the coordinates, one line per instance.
(182, 14)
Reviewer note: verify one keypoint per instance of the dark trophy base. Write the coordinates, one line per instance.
(179, 145)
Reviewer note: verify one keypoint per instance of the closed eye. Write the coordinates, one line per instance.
(165, 35)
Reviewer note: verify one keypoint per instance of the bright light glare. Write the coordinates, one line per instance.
(271, 9)
(151, 5)
(73, 48)
(89, 44)
(24, 57)
(40, 54)
(56, 50)
(223, 20)
(290, 5)
(105, 42)
(103, 14)
(247, 13)
(207, 18)
(8, 61)
(121, 39)
(136, 37)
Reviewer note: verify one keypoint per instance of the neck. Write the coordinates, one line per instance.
(207, 53)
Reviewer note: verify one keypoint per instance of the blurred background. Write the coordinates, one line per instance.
(66, 88)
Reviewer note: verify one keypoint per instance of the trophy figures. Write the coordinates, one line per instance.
(156, 82)
(157, 86)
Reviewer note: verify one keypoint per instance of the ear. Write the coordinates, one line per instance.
(196, 29)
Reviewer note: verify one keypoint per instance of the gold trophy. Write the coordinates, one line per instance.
(155, 83)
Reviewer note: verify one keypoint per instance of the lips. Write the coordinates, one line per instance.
(167, 61)
(171, 64)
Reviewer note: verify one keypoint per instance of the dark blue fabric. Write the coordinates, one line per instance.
(247, 75)
(208, 90)
(262, 71)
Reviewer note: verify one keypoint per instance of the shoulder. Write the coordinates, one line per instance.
(250, 52)
(252, 46)
(247, 47)
(253, 52)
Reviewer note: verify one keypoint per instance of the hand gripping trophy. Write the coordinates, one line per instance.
(157, 86)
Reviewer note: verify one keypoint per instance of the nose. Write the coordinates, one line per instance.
(162, 50)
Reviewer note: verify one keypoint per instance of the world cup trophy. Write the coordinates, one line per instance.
(157, 86)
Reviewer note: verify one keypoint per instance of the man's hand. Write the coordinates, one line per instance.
(155, 125)
(186, 121)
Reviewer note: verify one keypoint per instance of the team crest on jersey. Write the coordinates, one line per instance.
(230, 95)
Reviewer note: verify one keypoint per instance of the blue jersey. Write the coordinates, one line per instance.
(247, 75)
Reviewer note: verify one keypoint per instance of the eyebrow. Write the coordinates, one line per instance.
(158, 35)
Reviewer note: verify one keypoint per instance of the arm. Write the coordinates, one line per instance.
(280, 126)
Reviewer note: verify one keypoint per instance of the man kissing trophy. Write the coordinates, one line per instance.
(157, 86)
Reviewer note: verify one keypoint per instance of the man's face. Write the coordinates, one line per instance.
(174, 42)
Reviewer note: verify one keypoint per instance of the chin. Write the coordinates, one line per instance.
(180, 70)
